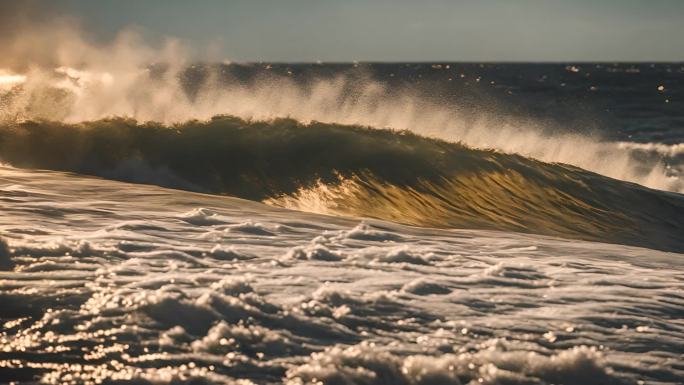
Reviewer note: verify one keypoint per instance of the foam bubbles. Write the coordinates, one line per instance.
(368, 364)
(447, 307)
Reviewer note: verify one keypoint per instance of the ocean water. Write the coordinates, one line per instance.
(421, 223)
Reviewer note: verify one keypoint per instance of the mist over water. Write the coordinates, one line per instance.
(127, 78)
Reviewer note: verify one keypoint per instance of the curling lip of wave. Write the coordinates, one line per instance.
(356, 171)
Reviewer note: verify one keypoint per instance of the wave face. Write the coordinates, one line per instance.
(357, 171)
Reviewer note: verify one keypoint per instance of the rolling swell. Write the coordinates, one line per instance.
(352, 170)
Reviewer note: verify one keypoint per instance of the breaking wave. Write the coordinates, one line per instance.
(356, 171)
(119, 81)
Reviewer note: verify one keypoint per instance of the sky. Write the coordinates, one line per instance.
(397, 30)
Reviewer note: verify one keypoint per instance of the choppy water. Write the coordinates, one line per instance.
(123, 283)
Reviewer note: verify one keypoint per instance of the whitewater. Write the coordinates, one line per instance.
(118, 283)
(365, 223)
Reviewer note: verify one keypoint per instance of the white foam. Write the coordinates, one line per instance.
(422, 286)
(364, 232)
(367, 364)
(313, 252)
(668, 150)
(404, 254)
(202, 217)
(501, 307)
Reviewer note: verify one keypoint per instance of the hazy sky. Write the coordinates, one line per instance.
(402, 30)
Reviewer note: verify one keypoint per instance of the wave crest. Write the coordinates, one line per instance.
(356, 171)
(175, 92)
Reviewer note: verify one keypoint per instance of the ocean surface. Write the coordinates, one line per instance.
(339, 224)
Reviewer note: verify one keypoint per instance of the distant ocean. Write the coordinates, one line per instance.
(356, 223)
